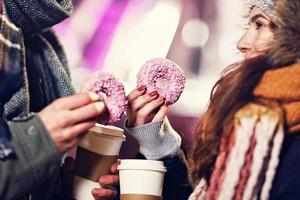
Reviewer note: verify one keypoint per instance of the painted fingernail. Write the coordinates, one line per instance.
(141, 88)
(94, 96)
(154, 93)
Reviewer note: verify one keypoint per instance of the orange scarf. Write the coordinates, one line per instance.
(283, 86)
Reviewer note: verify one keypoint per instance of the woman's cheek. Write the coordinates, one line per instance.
(263, 41)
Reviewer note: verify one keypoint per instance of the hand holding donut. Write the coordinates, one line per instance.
(164, 76)
(111, 91)
(144, 107)
(67, 118)
(160, 84)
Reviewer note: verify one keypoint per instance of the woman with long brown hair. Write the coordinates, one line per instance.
(248, 146)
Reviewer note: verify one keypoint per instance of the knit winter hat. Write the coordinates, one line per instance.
(266, 5)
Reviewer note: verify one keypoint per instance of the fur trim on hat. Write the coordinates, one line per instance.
(266, 5)
(285, 49)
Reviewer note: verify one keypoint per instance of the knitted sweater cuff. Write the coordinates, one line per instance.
(157, 140)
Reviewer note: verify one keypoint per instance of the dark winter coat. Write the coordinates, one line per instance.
(33, 73)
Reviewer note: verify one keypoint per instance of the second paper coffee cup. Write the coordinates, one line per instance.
(141, 179)
(96, 152)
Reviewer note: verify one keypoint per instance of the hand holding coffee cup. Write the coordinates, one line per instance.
(99, 149)
(108, 184)
(96, 153)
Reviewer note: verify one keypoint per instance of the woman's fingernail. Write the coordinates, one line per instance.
(94, 96)
(154, 93)
(141, 88)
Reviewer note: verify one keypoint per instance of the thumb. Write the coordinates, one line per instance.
(161, 114)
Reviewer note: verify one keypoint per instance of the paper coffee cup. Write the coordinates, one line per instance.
(141, 179)
(96, 152)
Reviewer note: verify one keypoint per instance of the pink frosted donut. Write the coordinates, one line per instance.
(112, 92)
(163, 76)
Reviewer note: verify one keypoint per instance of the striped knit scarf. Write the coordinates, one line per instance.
(248, 158)
(30, 20)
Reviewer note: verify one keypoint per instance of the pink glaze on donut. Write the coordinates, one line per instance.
(112, 92)
(166, 70)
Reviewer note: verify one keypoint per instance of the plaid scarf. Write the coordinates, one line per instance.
(30, 20)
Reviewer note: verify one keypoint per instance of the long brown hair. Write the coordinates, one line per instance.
(229, 94)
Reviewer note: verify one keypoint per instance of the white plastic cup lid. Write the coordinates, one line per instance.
(114, 131)
(136, 164)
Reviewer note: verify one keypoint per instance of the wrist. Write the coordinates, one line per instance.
(157, 140)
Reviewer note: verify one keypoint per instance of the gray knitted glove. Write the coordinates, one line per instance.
(157, 140)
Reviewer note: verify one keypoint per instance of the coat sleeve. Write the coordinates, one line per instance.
(34, 161)
(157, 140)
(5, 146)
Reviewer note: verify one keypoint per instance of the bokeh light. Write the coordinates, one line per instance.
(195, 33)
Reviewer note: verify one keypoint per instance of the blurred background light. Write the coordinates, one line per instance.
(149, 37)
(195, 33)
